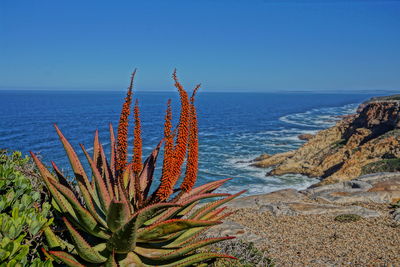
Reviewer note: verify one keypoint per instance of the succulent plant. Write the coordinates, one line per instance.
(114, 219)
(23, 216)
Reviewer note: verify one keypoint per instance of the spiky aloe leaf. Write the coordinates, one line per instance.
(126, 175)
(189, 248)
(111, 261)
(76, 165)
(210, 207)
(59, 175)
(171, 226)
(185, 204)
(66, 258)
(93, 208)
(131, 260)
(101, 187)
(62, 203)
(96, 150)
(82, 214)
(186, 237)
(213, 214)
(112, 152)
(51, 238)
(118, 214)
(124, 239)
(84, 217)
(146, 176)
(85, 251)
(206, 188)
(200, 257)
(106, 171)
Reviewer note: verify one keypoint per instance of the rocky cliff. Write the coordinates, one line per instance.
(365, 142)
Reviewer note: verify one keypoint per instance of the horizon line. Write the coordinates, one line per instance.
(209, 91)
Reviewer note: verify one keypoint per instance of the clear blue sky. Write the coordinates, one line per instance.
(227, 45)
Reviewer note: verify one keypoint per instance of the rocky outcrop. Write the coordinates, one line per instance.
(341, 152)
(305, 137)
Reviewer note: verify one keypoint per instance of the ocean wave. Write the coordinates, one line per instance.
(320, 117)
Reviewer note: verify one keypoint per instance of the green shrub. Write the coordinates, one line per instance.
(248, 254)
(23, 215)
(347, 218)
(384, 165)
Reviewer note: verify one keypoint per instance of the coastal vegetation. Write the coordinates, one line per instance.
(25, 213)
(114, 219)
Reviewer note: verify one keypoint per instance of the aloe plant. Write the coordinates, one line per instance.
(114, 219)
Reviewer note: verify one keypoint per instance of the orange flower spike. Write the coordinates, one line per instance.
(122, 136)
(193, 153)
(165, 189)
(137, 144)
(183, 130)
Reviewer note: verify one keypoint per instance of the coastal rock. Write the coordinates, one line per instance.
(230, 228)
(305, 137)
(298, 208)
(272, 160)
(290, 202)
(262, 157)
(349, 149)
(258, 201)
(373, 188)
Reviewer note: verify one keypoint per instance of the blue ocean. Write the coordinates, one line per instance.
(233, 127)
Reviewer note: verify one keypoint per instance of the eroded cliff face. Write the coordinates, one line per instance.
(340, 152)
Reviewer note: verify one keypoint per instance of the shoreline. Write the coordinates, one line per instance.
(358, 144)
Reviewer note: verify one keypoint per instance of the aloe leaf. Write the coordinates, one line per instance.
(66, 258)
(206, 188)
(123, 194)
(118, 214)
(131, 260)
(186, 205)
(132, 188)
(96, 150)
(112, 149)
(107, 173)
(76, 165)
(212, 206)
(146, 213)
(111, 261)
(60, 176)
(189, 248)
(61, 201)
(126, 175)
(213, 214)
(146, 176)
(124, 239)
(187, 236)
(84, 217)
(100, 185)
(223, 216)
(171, 226)
(200, 257)
(85, 251)
(51, 238)
(93, 208)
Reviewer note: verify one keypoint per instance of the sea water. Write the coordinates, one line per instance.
(234, 128)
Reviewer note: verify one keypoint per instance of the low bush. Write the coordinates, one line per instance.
(347, 218)
(23, 214)
(384, 165)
